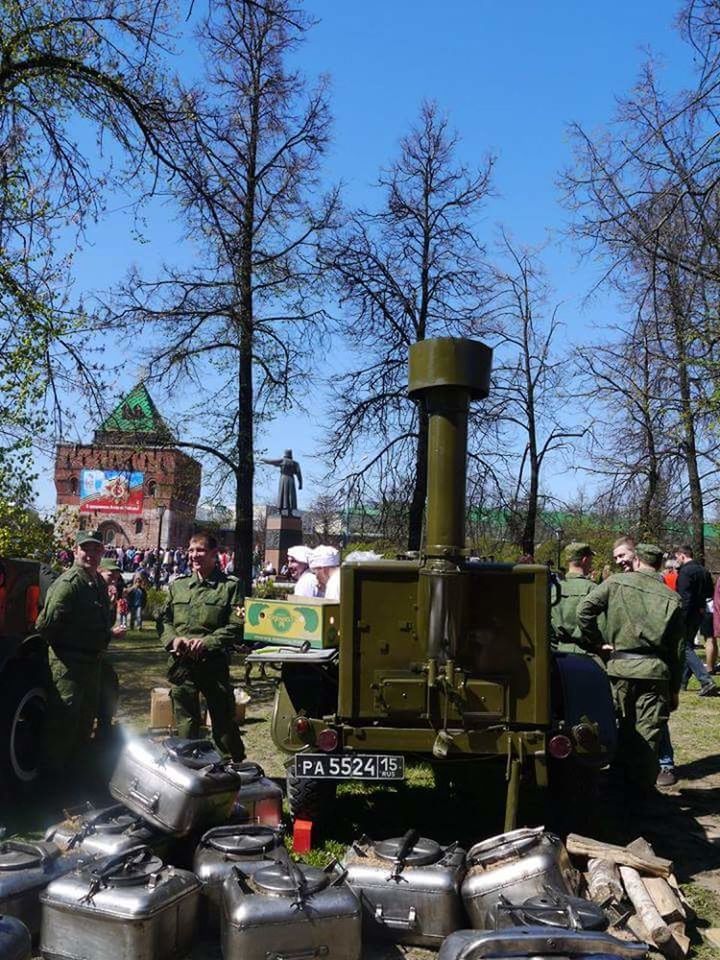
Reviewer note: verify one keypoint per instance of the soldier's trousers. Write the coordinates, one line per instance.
(108, 696)
(72, 707)
(211, 678)
(642, 708)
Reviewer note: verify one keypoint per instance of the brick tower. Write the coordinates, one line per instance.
(130, 482)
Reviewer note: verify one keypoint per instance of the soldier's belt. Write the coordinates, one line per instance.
(625, 655)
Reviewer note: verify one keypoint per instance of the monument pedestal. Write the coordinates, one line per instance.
(281, 533)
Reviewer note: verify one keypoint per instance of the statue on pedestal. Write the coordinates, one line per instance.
(287, 495)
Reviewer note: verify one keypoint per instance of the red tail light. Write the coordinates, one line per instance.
(302, 725)
(560, 747)
(327, 740)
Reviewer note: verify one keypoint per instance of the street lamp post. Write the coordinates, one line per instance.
(161, 514)
(559, 534)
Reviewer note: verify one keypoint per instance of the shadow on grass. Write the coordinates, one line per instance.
(700, 768)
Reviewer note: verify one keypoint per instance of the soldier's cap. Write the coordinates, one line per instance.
(574, 552)
(649, 553)
(88, 536)
(107, 563)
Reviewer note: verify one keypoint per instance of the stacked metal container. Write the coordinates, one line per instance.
(107, 832)
(128, 907)
(25, 870)
(409, 888)
(183, 785)
(247, 846)
(291, 911)
(538, 943)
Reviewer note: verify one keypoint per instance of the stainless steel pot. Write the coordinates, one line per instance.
(14, 939)
(538, 943)
(107, 832)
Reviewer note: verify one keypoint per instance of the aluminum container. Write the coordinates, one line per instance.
(128, 907)
(517, 865)
(409, 888)
(25, 870)
(14, 939)
(248, 846)
(107, 832)
(179, 785)
(290, 911)
(538, 943)
(550, 909)
(259, 799)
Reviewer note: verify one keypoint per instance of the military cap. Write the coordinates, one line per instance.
(107, 563)
(88, 536)
(574, 552)
(649, 553)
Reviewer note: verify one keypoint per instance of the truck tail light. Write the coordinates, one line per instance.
(327, 740)
(560, 747)
(301, 725)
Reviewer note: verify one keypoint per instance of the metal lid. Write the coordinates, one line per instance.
(277, 879)
(25, 854)
(247, 771)
(506, 845)
(560, 910)
(115, 824)
(192, 753)
(242, 843)
(422, 852)
(130, 872)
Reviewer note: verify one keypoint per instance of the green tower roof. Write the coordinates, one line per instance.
(135, 419)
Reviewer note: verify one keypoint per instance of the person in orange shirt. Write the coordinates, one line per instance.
(670, 574)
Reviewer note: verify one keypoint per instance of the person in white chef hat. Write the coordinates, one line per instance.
(306, 584)
(325, 564)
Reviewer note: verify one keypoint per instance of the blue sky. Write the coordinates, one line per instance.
(511, 77)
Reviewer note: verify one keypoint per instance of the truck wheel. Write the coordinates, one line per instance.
(23, 706)
(310, 799)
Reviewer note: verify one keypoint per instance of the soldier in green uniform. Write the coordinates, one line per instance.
(111, 573)
(199, 626)
(645, 639)
(576, 585)
(76, 624)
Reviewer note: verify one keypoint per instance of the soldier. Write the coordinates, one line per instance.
(576, 585)
(76, 623)
(110, 572)
(200, 625)
(645, 636)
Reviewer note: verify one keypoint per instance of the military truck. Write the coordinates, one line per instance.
(442, 657)
(23, 671)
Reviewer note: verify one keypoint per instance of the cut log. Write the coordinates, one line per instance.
(668, 905)
(603, 880)
(637, 928)
(652, 865)
(644, 907)
(680, 937)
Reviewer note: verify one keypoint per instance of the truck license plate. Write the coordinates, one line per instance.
(355, 766)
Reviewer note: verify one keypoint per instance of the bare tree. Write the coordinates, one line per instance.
(529, 377)
(235, 328)
(410, 271)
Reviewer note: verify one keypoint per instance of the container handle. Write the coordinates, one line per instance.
(396, 923)
(22, 847)
(405, 847)
(148, 803)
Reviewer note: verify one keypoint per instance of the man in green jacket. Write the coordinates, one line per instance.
(576, 585)
(645, 643)
(200, 625)
(76, 623)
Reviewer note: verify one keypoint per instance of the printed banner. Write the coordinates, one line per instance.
(111, 491)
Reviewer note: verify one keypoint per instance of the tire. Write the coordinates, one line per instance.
(23, 709)
(311, 799)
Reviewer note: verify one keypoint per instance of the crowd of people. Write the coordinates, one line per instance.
(642, 625)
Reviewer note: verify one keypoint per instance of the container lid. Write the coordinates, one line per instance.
(17, 855)
(505, 845)
(192, 753)
(422, 852)
(242, 842)
(560, 910)
(277, 880)
(126, 870)
(116, 824)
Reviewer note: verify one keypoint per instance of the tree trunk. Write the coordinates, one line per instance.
(245, 467)
(417, 503)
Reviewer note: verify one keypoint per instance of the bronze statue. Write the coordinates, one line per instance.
(287, 495)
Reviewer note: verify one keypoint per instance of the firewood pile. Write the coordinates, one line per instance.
(638, 890)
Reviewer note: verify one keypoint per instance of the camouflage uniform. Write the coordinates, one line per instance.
(645, 628)
(75, 622)
(208, 609)
(563, 614)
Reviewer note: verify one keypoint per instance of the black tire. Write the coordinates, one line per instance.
(310, 799)
(23, 708)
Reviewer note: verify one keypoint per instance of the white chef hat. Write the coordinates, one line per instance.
(300, 553)
(323, 556)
